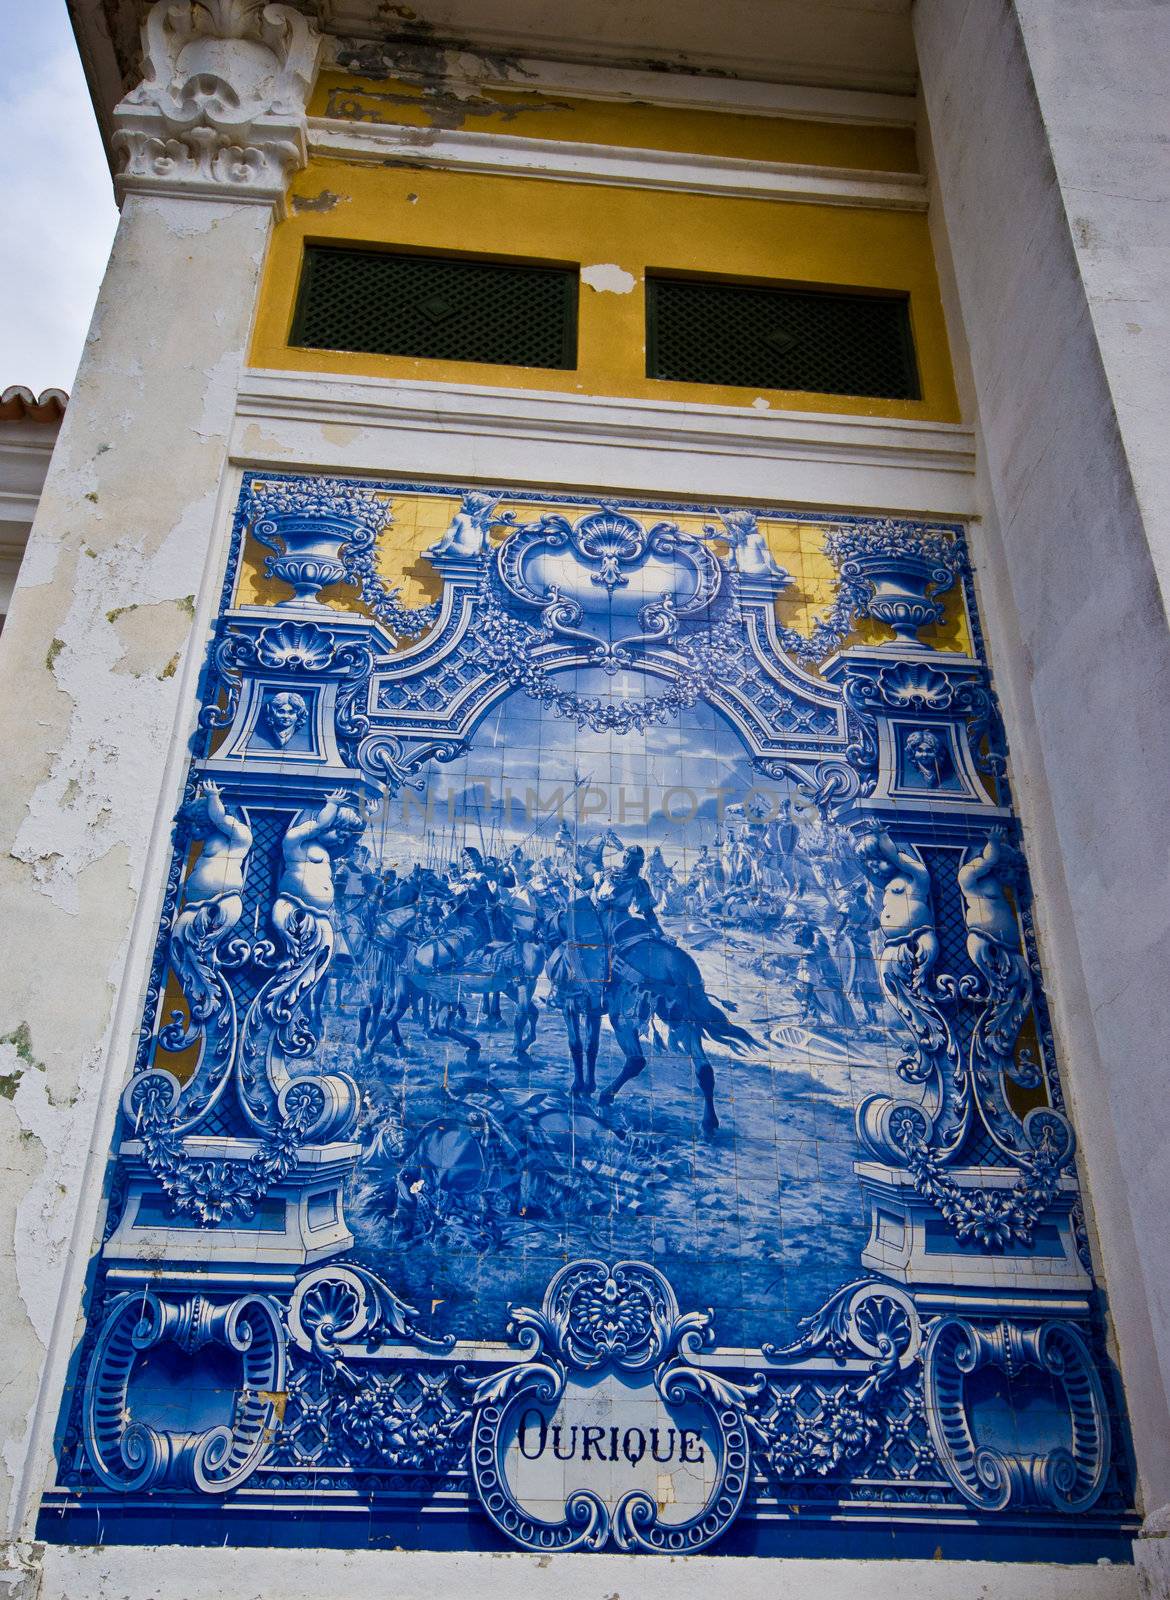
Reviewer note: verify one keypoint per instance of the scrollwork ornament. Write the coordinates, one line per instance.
(222, 101)
(869, 1318)
(995, 1218)
(995, 1478)
(637, 1521)
(209, 1190)
(391, 761)
(140, 1454)
(625, 1319)
(528, 657)
(345, 1303)
(298, 648)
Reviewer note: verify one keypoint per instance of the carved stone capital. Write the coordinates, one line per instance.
(221, 107)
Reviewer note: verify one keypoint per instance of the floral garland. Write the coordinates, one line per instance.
(217, 1191)
(829, 630)
(995, 1218)
(400, 622)
(507, 645)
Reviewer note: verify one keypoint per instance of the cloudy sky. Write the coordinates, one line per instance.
(60, 214)
(526, 769)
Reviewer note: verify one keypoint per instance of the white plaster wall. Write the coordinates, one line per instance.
(114, 1574)
(1080, 646)
(95, 669)
(1100, 74)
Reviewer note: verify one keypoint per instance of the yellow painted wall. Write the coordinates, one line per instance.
(397, 205)
(538, 220)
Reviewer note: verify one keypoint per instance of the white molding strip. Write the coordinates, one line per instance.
(292, 420)
(511, 155)
(736, 96)
(583, 80)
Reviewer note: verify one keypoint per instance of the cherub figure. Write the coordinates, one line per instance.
(993, 941)
(213, 895)
(749, 553)
(311, 845)
(215, 884)
(927, 755)
(909, 944)
(470, 527)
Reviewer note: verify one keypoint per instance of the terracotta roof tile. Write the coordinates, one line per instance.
(19, 404)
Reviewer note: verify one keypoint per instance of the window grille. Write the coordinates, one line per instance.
(699, 331)
(437, 307)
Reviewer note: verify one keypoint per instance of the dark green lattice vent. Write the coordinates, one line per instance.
(763, 338)
(439, 308)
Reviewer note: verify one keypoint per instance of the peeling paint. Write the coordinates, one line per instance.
(448, 84)
(145, 633)
(97, 637)
(61, 1131)
(219, 395)
(184, 219)
(20, 1570)
(108, 660)
(606, 277)
(341, 434)
(39, 563)
(263, 445)
(19, 1042)
(325, 201)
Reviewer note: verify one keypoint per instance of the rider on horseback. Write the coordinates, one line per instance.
(625, 904)
(467, 924)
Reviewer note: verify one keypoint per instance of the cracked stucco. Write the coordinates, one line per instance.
(123, 626)
(91, 662)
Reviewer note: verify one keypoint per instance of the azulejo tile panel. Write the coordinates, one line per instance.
(595, 1090)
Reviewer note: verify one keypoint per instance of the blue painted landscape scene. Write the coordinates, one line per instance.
(608, 994)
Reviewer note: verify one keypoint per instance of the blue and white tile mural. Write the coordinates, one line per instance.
(595, 1089)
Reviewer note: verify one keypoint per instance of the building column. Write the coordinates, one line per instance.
(1044, 145)
(102, 645)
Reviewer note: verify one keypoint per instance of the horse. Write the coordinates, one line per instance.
(577, 969)
(436, 973)
(391, 921)
(630, 979)
(589, 861)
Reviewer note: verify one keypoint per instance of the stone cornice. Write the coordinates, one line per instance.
(221, 107)
(350, 423)
(514, 155)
